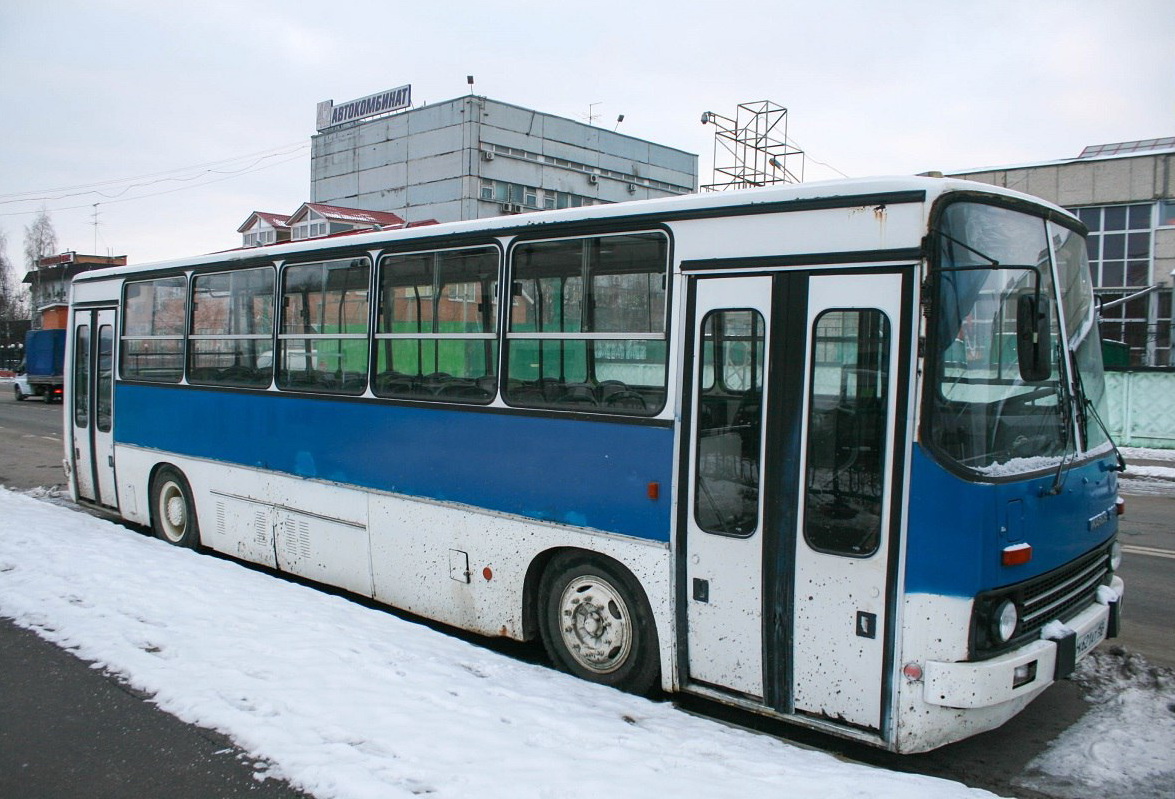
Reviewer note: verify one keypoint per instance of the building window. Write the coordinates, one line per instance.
(1166, 214)
(1119, 245)
(1121, 264)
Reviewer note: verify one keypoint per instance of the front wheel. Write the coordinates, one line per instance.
(19, 393)
(597, 625)
(173, 514)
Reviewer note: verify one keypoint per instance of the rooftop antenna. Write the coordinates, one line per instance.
(753, 149)
(592, 116)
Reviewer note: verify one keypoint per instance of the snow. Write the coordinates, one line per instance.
(348, 701)
(1124, 745)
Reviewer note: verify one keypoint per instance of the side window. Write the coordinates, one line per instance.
(322, 342)
(153, 329)
(587, 324)
(231, 335)
(729, 423)
(104, 405)
(81, 377)
(847, 423)
(436, 331)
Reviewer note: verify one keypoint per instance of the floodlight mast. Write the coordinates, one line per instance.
(753, 149)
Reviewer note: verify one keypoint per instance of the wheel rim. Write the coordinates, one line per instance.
(595, 624)
(173, 511)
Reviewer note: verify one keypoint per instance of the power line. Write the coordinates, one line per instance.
(280, 150)
(228, 176)
(115, 195)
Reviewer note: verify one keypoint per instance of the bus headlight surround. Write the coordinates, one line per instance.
(1115, 556)
(1005, 620)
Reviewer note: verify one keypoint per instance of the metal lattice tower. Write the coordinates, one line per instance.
(753, 149)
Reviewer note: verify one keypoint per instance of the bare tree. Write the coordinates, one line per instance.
(40, 241)
(12, 294)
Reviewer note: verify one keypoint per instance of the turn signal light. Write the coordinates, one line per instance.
(1016, 555)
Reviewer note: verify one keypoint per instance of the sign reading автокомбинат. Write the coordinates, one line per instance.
(330, 114)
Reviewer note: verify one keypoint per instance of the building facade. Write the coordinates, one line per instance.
(49, 284)
(1125, 194)
(474, 157)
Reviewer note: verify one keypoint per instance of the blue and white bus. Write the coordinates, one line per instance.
(829, 453)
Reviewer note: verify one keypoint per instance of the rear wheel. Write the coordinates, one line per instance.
(596, 623)
(19, 393)
(173, 514)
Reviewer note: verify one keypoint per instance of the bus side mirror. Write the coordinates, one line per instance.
(1033, 339)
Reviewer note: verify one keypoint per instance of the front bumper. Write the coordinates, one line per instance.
(1028, 669)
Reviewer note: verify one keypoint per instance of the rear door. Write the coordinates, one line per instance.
(91, 401)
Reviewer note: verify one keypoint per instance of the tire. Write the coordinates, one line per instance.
(173, 514)
(19, 394)
(596, 623)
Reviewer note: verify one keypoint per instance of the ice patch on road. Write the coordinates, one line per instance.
(1124, 745)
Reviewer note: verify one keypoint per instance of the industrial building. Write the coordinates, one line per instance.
(474, 157)
(1125, 193)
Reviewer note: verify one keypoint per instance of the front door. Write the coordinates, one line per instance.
(785, 559)
(91, 405)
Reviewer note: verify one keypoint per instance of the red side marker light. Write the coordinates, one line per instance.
(487, 573)
(1016, 554)
(1120, 506)
(654, 490)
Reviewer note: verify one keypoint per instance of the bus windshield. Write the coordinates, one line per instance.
(983, 414)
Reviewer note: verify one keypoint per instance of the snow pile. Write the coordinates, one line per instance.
(1148, 478)
(1125, 745)
(346, 701)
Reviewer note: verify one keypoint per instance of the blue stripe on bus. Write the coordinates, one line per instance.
(958, 530)
(585, 473)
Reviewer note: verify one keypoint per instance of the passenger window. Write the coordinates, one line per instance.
(322, 342)
(729, 423)
(231, 341)
(153, 329)
(436, 332)
(587, 324)
(847, 424)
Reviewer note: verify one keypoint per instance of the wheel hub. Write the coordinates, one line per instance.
(596, 627)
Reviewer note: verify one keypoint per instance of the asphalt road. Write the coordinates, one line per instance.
(68, 730)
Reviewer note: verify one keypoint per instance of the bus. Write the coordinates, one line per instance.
(830, 452)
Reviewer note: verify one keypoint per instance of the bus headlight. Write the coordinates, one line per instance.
(1005, 620)
(1115, 556)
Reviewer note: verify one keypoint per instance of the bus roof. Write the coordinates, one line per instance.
(870, 190)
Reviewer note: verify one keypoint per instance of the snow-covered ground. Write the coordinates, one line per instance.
(346, 701)
(1148, 471)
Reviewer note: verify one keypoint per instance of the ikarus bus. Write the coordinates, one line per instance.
(830, 453)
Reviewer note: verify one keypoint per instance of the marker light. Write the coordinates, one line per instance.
(1016, 554)
(1120, 506)
(1006, 619)
(912, 671)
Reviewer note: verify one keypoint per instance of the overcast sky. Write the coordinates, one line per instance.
(179, 119)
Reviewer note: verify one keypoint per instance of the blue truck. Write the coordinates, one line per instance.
(44, 362)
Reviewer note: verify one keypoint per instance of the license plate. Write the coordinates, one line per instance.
(1091, 638)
